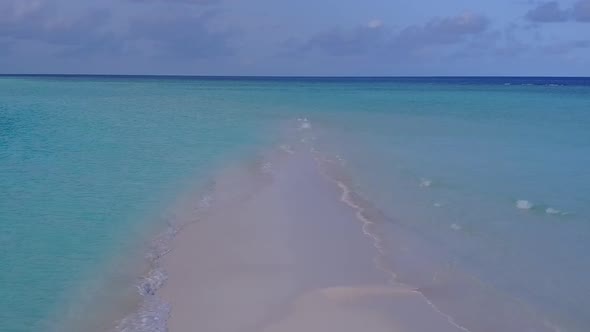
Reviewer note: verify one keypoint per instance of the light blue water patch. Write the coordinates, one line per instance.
(456, 165)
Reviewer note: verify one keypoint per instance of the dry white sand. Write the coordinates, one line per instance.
(290, 256)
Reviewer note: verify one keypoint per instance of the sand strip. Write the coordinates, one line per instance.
(291, 256)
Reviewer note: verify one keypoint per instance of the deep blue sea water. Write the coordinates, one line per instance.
(487, 177)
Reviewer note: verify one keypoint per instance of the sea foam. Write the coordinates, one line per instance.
(304, 123)
(524, 204)
(425, 183)
(153, 313)
(151, 317)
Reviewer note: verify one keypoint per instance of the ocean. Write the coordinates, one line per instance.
(480, 186)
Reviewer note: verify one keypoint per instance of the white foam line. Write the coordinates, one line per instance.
(151, 282)
(377, 243)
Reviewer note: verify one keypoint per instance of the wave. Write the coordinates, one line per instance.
(304, 123)
(528, 205)
(153, 313)
(456, 227)
(524, 204)
(425, 183)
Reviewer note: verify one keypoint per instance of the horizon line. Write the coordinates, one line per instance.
(279, 76)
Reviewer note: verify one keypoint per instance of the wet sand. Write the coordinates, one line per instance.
(289, 253)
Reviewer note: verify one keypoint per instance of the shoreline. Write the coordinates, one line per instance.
(292, 254)
(285, 241)
(275, 236)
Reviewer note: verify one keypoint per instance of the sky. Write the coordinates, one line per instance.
(299, 38)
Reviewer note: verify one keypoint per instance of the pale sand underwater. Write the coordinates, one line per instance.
(287, 251)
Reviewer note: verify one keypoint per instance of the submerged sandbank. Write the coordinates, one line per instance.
(284, 248)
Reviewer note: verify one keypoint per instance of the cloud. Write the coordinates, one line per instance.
(441, 31)
(510, 45)
(566, 47)
(183, 36)
(20, 19)
(15, 10)
(175, 34)
(375, 23)
(341, 42)
(505, 43)
(547, 12)
(6, 47)
(581, 11)
(39, 21)
(376, 38)
(188, 2)
(82, 29)
(550, 12)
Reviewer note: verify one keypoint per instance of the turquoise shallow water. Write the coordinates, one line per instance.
(449, 164)
(84, 164)
(89, 164)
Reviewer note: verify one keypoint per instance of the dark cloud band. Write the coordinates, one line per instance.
(551, 12)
